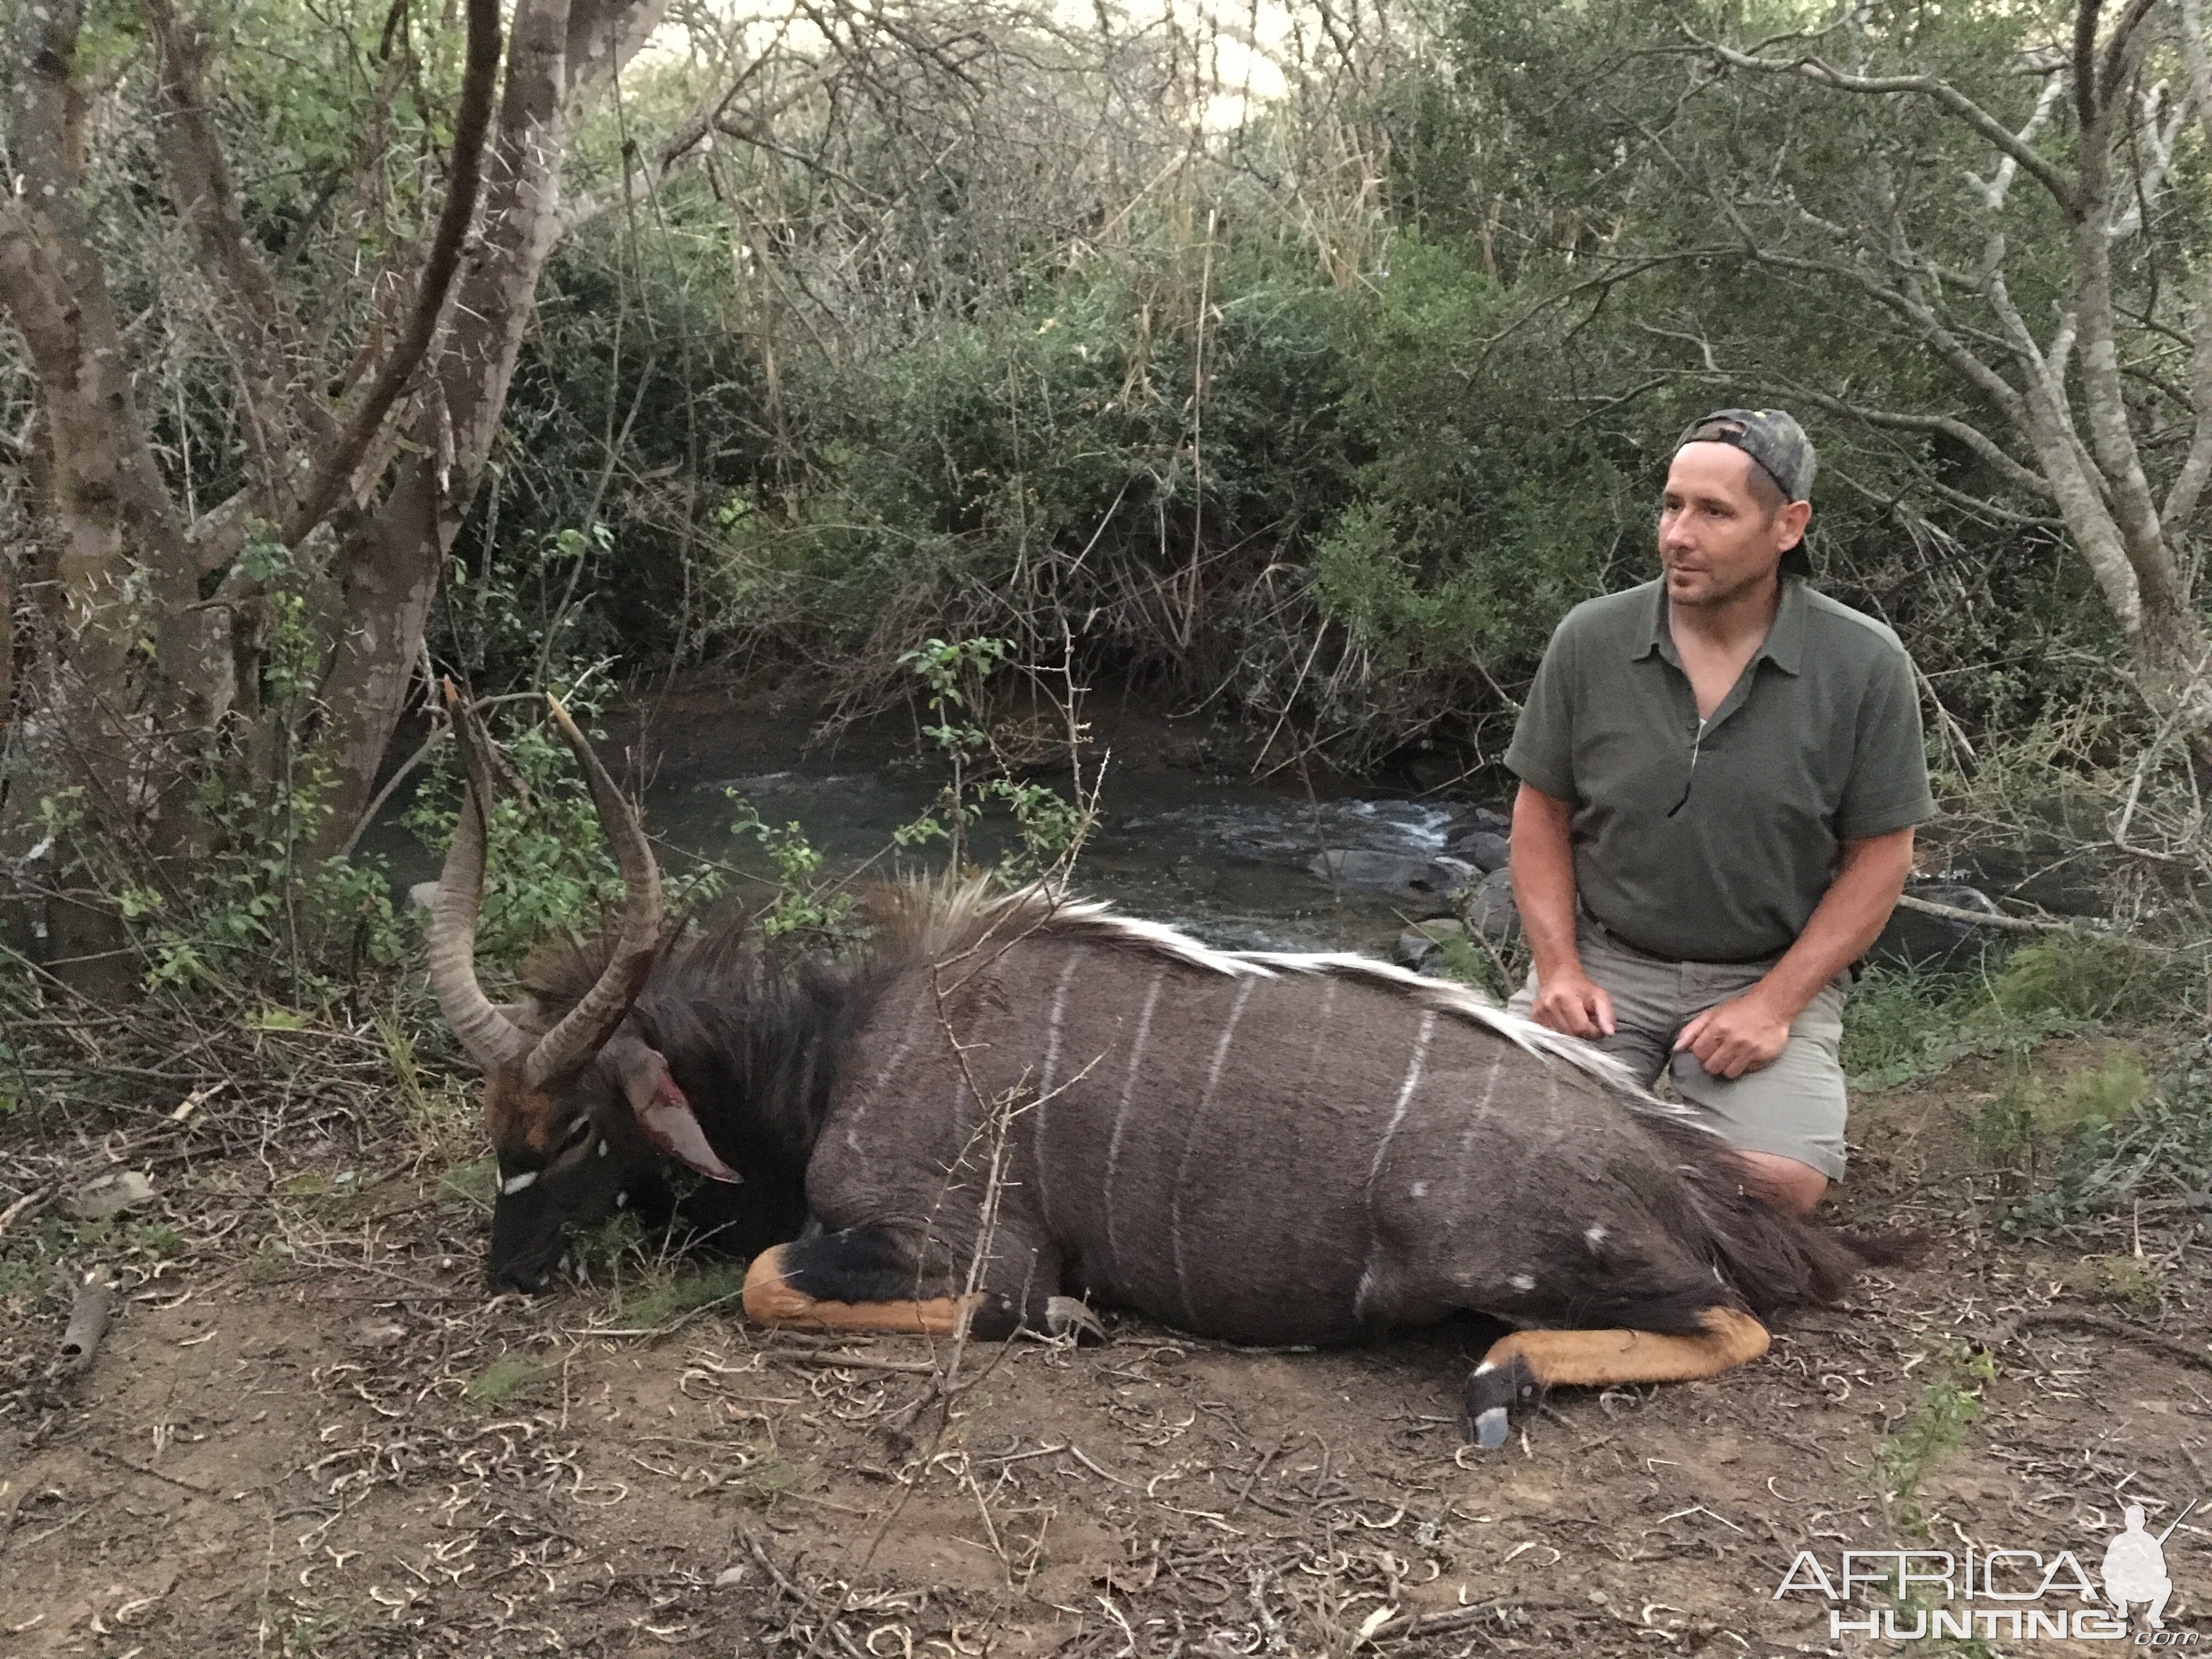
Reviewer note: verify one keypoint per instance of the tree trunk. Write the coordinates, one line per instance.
(2087, 458)
(391, 562)
(131, 679)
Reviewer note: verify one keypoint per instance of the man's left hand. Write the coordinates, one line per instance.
(1743, 1035)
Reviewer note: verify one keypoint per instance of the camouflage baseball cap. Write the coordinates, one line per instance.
(1772, 438)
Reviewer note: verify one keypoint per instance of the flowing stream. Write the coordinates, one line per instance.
(1184, 834)
(1232, 858)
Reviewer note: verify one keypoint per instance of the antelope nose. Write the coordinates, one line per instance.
(526, 1241)
(525, 1276)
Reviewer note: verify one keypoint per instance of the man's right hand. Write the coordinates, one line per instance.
(1572, 1002)
(1544, 887)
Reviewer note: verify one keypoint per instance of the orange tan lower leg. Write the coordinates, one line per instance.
(770, 1301)
(1597, 1358)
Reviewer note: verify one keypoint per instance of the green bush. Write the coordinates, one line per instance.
(1900, 1022)
(2098, 1155)
(973, 463)
(1950, 1403)
(656, 1304)
(552, 871)
(2070, 976)
(504, 1377)
(2028, 1116)
(1484, 512)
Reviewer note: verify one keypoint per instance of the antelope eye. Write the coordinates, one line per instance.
(577, 1132)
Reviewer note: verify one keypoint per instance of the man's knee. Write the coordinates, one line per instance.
(1790, 1185)
(1788, 1118)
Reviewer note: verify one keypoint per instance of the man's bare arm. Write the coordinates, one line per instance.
(1748, 1032)
(1544, 890)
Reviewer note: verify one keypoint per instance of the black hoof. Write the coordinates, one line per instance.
(999, 1319)
(995, 1319)
(1492, 1390)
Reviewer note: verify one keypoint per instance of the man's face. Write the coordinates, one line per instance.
(1717, 541)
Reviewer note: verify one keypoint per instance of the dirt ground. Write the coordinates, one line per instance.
(305, 1433)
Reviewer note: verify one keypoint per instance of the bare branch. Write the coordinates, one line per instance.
(285, 407)
(2084, 64)
(473, 121)
(2152, 179)
(2198, 64)
(2118, 458)
(605, 34)
(2188, 485)
(1902, 302)
(1984, 446)
(1993, 193)
(217, 535)
(2050, 376)
(2120, 51)
(696, 125)
(1988, 508)
(1956, 103)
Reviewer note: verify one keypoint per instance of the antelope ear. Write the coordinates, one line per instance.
(662, 1111)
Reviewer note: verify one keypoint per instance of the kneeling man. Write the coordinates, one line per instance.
(1720, 775)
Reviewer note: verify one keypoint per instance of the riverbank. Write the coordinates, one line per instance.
(304, 1419)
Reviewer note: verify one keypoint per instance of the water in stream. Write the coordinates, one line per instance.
(1229, 858)
(1183, 837)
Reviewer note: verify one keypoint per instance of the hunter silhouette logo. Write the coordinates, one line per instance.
(1992, 1594)
(2135, 1567)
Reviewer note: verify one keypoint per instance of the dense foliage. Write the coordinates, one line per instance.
(866, 329)
(1352, 460)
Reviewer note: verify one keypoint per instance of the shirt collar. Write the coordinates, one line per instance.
(1785, 640)
(1655, 636)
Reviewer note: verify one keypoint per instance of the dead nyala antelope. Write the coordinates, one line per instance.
(1040, 1103)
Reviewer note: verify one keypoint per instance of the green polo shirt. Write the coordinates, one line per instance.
(1714, 841)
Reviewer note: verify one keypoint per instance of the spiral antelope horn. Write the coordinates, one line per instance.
(493, 1040)
(585, 1028)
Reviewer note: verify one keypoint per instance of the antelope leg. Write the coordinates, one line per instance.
(1521, 1366)
(770, 1300)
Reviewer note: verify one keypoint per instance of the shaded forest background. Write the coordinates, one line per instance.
(1332, 405)
(1306, 364)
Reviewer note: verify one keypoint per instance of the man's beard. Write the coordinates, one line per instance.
(1715, 599)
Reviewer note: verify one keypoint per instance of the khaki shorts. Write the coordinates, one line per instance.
(1794, 1107)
